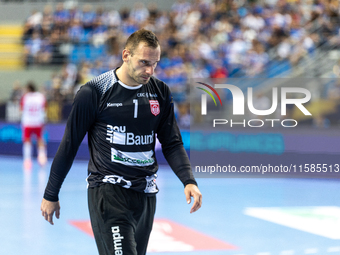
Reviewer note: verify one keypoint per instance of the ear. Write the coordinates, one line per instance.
(125, 55)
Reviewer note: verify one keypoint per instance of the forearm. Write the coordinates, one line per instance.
(179, 162)
(59, 169)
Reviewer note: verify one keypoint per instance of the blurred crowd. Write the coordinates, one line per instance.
(200, 39)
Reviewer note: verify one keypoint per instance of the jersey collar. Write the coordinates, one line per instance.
(124, 85)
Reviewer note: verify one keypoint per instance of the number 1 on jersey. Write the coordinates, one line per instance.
(135, 101)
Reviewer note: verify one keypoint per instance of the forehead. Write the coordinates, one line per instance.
(145, 52)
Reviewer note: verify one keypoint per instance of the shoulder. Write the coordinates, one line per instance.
(160, 85)
(87, 92)
(40, 95)
(94, 90)
(102, 83)
(163, 89)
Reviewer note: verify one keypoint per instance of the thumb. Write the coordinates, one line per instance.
(188, 197)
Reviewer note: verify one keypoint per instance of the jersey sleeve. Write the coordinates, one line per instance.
(172, 146)
(80, 120)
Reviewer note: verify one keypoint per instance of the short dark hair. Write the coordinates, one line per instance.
(139, 36)
(31, 86)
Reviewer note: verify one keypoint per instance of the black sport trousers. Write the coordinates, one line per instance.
(121, 219)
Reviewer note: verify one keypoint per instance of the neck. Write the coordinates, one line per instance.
(123, 76)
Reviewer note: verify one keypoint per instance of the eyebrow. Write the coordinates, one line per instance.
(149, 61)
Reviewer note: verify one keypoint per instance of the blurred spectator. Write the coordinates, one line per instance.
(32, 48)
(31, 25)
(13, 105)
(181, 7)
(73, 10)
(68, 78)
(88, 18)
(215, 28)
(113, 19)
(139, 13)
(297, 53)
(256, 60)
(99, 34)
(248, 38)
(184, 116)
(17, 92)
(219, 72)
(76, 32)
(253, 21)
(35, 19)
(33, 106)
(84, 73)
(284, 48)
(199, 71)
(61, 16)
(46, 52)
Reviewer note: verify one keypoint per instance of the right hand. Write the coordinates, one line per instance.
(48, 208)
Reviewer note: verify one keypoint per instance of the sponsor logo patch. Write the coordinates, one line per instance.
(114, 179)
(143, 158)
(151, 186)
(118, 135)
(154, 106)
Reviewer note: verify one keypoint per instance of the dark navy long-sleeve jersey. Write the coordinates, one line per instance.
(122, 123)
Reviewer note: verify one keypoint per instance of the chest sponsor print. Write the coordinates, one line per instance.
(143, 158)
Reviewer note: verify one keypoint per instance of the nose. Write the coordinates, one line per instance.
(149, 70)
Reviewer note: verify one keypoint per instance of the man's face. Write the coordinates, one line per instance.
(142, 63)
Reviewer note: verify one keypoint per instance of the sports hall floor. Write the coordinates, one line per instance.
(238, 217)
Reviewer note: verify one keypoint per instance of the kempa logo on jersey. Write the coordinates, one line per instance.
(118, 135)
(114, 104)
(238, 105)
(117, 240)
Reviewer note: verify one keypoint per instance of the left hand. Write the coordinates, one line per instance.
(192, 190)
(48, 209)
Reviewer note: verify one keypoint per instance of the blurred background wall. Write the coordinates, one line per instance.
(60, 45)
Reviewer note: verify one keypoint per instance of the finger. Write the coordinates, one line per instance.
(194, 207)
(42, 211)
(45, 216)
(50, 218)
(57, 214)
(188, 197)
(197, 203)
